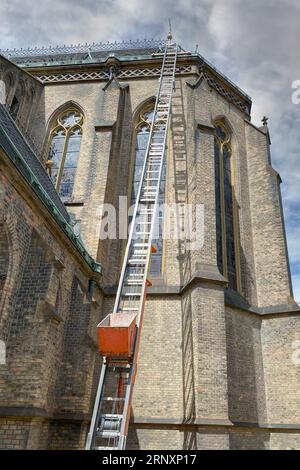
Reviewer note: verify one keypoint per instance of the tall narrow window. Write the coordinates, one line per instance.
(16, 102)
(227, 236)
(4, 259)
(64, 149)
(142, 136)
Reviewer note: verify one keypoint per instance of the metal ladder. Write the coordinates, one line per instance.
(110, 419)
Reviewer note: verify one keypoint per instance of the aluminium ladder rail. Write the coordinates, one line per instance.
(110, 419)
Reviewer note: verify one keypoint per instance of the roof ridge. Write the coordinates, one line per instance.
(80, 48)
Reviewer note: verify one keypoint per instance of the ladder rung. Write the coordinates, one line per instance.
(129, 309)
(137, 261)
(139, 253)
(108, 434)
(112, 399)
(134, 283)
(105, 448)
(132, 294)
(110, 416)
(137, 276)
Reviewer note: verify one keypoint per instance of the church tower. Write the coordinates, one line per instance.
(216, 367)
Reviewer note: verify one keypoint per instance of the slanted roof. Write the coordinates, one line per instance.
(21, 155)
(46, 61)
(81, 52)
(19, 141)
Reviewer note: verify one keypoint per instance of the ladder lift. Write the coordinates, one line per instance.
(119, 333)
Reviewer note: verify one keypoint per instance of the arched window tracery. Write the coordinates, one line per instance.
(226, 211)
(142, 132)
(63, 152)
(17, 100)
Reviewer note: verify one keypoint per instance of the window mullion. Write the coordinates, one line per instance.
(223, 215)
(235, 229)
(62, 161)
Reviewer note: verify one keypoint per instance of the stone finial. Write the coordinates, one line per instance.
(170, 36)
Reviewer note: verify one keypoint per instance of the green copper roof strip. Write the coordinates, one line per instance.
(16, 158)
(126, 58)
(222, 75)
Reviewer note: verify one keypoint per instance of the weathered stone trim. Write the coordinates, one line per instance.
(232, 298)
(104, 74)
(30, 412)
(235, 300)
(47, 311)
(206, 127)
(215, 423)
(105, 126)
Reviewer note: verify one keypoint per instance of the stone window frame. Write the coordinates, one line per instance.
(138, 121)
(56, 123)
(220, 123)
(18, 95)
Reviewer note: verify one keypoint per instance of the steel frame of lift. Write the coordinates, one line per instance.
(119, 333)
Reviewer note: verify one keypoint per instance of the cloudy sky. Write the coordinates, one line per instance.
(256, 44)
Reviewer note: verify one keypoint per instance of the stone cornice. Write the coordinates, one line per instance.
(208, 275)
(91, 73)
(141, 66)
(29, 412)
(105, 126)
(206, 127)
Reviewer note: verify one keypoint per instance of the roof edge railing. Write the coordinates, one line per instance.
(82, 48)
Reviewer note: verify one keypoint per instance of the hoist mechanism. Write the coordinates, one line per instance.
(119, 333)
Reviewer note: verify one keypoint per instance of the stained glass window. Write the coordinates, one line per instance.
(15, 106)
(226, 236)
(142, 137)
(64, 151)
(218, 208)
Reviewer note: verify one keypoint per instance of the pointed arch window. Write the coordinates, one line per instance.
(4, 259)
(226, 208)
(64, 147)
(142, 132)
(16, 102)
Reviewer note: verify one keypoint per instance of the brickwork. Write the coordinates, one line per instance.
(280, 343)
(14, 433)
(29, 92)
(246, 379)
(39, 326)
(271, 268)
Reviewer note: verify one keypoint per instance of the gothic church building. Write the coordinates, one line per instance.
(216, 368)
